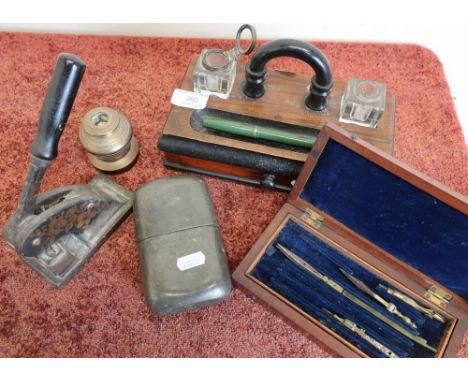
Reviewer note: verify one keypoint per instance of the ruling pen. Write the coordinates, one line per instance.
(408, 300)
(389, 306)
(352, 326)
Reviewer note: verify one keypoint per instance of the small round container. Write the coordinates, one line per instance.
(107, 137)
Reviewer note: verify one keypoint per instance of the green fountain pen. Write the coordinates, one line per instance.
(272, 134)
(338, 288)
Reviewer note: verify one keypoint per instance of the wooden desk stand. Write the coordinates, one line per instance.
(191, 147)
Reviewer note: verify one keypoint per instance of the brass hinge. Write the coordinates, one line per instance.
(438, 296)
(312, 218)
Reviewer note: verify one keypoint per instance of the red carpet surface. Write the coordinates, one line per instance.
(102, 312)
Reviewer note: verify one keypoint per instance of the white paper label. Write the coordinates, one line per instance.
(189, 99)
(191, 261)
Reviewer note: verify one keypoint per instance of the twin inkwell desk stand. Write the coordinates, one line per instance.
(286, 109)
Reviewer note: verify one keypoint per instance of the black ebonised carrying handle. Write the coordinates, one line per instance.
(61, 94)
(321, 83)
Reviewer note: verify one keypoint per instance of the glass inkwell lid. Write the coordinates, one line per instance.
(215, 70)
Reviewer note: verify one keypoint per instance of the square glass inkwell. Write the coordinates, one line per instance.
(215, 71)
(363, 102)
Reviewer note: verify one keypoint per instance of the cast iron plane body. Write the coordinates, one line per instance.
(66, 227)
(55, 233)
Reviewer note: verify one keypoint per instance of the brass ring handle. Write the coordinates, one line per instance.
(253, 40)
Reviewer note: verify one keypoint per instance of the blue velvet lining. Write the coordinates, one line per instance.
(312, 295)
(398, 217)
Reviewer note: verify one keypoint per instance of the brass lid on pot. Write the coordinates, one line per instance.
(107, 137)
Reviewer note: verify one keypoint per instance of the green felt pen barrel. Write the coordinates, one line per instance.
(260, 132)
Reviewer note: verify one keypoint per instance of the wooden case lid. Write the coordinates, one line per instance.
(384, 205)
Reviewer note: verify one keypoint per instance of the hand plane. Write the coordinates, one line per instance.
(56, 232)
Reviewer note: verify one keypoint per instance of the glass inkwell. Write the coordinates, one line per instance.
(363, 102)
(215, 70)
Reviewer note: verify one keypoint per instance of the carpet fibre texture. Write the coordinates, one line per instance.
(102, 312)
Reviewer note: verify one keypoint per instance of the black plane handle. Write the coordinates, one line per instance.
(321, 83)
(61, 94)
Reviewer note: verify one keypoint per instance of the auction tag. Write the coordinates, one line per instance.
(189, 99)
(191, 261)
